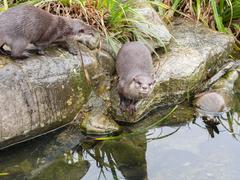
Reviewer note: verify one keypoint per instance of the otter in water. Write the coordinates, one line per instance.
(135, 71)
(26, 24)
(210, 106)
(210, 102)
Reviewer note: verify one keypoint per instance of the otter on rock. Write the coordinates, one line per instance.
(135, 71)
(25, 24)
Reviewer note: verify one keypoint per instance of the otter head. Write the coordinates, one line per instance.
(141, 86)
(76, 26)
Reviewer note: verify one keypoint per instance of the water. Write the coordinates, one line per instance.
(185, 149)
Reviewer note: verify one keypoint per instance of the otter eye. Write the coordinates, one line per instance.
(81, 31)
(139, 83)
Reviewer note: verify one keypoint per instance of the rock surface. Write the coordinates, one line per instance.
(42, 93)
(152, 23)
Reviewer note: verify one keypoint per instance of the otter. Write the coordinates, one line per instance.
(26, 24)
(135, 71)
(210, 105)
(210, 102)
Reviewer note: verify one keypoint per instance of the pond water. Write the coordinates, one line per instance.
(185, 148)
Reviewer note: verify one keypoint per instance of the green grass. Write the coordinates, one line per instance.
(222, 15)
(116, 19)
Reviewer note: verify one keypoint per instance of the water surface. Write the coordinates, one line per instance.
(184, 148)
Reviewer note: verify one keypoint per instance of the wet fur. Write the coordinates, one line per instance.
(26, 24)
(211, 102)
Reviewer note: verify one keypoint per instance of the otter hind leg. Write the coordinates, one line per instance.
(17, 49)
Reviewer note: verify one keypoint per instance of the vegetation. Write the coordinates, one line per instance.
(116, 18)
(222, 15)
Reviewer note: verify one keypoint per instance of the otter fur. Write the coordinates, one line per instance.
(210, 102)
(135, 71)
(25, 24)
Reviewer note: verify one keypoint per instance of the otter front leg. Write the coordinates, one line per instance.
(72, 47)
(132, 107)
(40, 48)
(127, 105)
(123, 103)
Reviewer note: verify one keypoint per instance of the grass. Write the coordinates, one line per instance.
(116, 20)
(221, 15)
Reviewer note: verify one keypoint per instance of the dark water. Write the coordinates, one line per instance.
(184, 149)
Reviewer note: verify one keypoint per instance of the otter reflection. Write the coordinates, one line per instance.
(222, 122)
(125, 156)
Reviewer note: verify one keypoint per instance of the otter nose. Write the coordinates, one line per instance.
(144, 87)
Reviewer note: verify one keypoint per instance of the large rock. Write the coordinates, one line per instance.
(153, 26)
(42, 93)
(148, 22)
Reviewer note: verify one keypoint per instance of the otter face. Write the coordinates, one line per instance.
(142, 85)
(79, 27)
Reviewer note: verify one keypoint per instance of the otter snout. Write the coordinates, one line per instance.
(145, 90)
(144, 87)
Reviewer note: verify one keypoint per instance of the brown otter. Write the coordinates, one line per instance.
(26, 24)
(135, 71)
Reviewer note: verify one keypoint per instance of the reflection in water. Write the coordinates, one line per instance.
(125, 157)
(115, 159)
(228, 120)
(181, 150)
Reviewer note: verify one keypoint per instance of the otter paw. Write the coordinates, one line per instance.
(123, 107)
(131, 109)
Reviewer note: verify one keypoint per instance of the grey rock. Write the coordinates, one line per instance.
(160, 36)
(41, 93)
(150, 24)
(106, 61)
